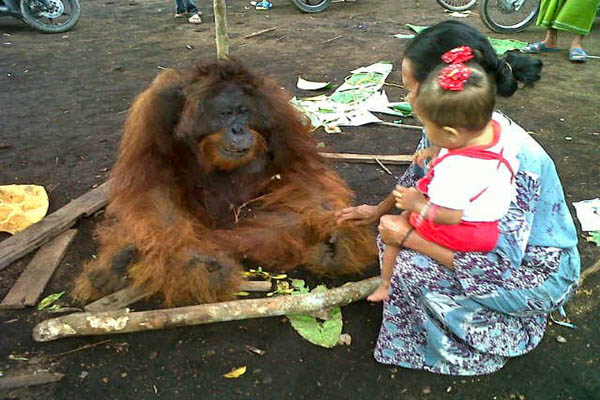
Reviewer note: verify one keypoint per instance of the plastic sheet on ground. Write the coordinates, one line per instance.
(353, 103)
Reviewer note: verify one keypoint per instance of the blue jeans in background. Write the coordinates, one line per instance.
(185, 6)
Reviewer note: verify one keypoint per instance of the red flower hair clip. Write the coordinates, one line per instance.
(454, 76)
(460, 54)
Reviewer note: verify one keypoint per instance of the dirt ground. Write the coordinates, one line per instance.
(63, 100)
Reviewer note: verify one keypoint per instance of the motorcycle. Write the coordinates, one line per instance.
(48, 16)
(509, 16)
(457, 5)
(312, 6)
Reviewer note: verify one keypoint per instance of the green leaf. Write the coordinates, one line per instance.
(403, 107)
(49, 300)
(325, 334)
(594, 237)
(416, 28)
(299, 286)
(502, 46)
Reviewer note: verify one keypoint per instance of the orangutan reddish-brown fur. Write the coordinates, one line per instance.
(215, 169)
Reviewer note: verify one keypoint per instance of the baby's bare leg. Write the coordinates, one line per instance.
(389, 258)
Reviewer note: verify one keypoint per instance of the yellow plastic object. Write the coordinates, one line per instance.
(21, 206)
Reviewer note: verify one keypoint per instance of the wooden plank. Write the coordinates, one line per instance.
(117, 300)
(30, 285)
(130, 295)
(38, 378)
(22, 243)
(369, 158)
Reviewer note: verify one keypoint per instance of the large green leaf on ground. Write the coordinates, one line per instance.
(325, 333)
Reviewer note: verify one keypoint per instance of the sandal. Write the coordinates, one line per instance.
(577, 55)
(539, 47)
(195, 19)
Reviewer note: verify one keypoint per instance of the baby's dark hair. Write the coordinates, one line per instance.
(470, 108)
(425, 50)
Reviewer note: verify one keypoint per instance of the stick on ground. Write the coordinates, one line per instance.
(253, 34)
(130, 295)
(36, 235)
(368, 158)
(416, 127)
(113, 322)
(30, 285)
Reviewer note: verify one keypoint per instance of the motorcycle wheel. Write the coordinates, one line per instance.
(457, 5)
(500, 17)
(312, 6)
(62, 16)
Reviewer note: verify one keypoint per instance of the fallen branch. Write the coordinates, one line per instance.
(589, 271)
(332, 39)
(386, 169)
(122, 321)
(260, 32)
(368, 158)
(36, 235)
(130, 295)
(80, 348)
(39, 378)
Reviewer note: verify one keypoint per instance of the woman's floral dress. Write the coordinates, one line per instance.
(492, 306)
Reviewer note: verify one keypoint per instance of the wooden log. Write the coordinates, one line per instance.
(36, 235)
(38, 378)
(221, 37)
(368, 158)
(30, 285)
(130, 295)
(122, 321)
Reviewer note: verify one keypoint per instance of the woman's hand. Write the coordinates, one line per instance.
(410, 199)
(359, 215)
(393, 228)
(421, 156)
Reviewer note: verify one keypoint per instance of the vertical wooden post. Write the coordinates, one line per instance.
(220, 9)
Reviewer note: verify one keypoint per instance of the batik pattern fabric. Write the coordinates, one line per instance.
(492, 306)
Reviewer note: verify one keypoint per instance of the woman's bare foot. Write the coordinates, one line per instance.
(380, 294)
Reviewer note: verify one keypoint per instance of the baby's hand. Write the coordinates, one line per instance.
(421, 156)
(407, 198)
